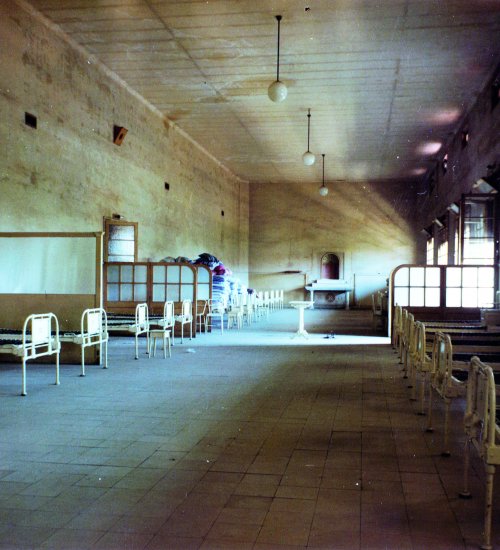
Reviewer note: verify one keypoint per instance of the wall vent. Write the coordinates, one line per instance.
(30, 120)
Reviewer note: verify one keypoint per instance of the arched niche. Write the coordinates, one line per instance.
(330, 266)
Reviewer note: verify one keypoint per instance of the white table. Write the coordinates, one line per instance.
(301, 305)
(330, 285)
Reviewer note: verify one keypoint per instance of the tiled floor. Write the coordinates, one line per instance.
(304, 445)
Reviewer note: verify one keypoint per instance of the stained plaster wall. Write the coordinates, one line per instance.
(67, 174)
(292, 226)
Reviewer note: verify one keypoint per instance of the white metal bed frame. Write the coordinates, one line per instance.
(140, 326)
(444, 383)
(40, 338)
(93, 332)
(483, 433)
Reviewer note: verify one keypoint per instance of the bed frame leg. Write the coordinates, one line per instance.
(413, 378)
(83, 362)
(105, 346)
(429, 427)
(405, 363)
(465, 494)
(423, 383)
(57, 369)
(446, 451)
(23, 386)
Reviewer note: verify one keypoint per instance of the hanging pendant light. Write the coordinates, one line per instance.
(277, 91)
(323, 190)
(308, 158)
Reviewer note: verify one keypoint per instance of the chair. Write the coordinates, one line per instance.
(483, 433)
(272, 300)
(267, 300)
(247, 308)
(162, 334)
(235, 313)
(261, 306)
(215, 311)
(185, 318)
(165, 325)
(201, 311)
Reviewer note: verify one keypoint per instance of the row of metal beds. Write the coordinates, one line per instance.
(455, 360)
(41, 337)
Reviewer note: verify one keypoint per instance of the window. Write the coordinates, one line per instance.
(417, 286)
(478, 245)
(126, 283)
(173, 282)
(444, 286)
(430, 251)
(456, 251)
(120, 241)
(442, 245)
(470, 286)
(443, 253)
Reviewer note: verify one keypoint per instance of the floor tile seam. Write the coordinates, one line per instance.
(102, 532)
(73, 517)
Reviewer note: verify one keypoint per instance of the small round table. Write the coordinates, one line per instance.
(301, 305)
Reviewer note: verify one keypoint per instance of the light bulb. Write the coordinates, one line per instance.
(308, 158)
(277, 91)
(323, 191)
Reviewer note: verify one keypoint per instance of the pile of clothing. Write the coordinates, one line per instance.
(225, 287)
(224, 284)
(207, 259)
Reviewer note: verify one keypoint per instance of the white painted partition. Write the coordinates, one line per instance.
(57, 272)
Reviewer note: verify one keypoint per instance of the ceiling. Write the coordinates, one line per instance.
(387, 81)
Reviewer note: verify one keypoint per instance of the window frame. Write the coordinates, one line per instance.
(478, 198)
(108, 223)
